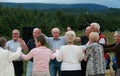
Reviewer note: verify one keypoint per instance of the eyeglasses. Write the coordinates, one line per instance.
(14, 33)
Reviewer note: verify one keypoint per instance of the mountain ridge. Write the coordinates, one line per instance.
(39, 6)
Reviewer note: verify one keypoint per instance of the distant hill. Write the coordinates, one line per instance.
(54, 6)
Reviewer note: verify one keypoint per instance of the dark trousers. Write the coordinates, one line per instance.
(83, 66)
(18, 66)
(71, 73)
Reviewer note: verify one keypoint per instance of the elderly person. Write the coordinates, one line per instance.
(70, 55)
(83, 40)
(96, 28)
(12, 45)
(95, 57)
(55, 43)
(31, 44)
(102, 39)
(116, 49)
(6, 58)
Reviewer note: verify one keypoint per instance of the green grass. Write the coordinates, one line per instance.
(109, 36)
(25, 66)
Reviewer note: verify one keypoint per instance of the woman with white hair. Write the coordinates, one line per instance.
(70, 55)
(95, 57)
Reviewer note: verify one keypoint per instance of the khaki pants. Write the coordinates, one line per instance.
(40, 73)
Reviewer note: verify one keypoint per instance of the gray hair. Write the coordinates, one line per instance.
(35, 29)
(96, 25)
(55, 29)
(118, 32)
(16, 31)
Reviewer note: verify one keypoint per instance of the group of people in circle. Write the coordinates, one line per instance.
(62, 57)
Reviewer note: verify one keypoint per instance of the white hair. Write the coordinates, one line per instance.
(118, 32)
(55, 29)
(35, 29)
(70, 36)
(96, 25)
(16, 30)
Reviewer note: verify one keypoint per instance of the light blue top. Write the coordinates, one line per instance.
(55, 44)
(12, 46)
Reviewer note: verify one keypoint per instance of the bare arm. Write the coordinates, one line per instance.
(23, 44)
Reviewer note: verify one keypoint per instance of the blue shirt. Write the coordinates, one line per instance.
(55, 44)
(12, 46)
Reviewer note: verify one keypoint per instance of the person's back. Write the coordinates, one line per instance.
(31, 44)
(6, 65)
(95, 57)
(96, 61)
(70, 55)
(41, 57)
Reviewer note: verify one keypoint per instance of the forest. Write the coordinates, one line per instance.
(78, 19)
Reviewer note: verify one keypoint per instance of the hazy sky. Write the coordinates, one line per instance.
(109, 3)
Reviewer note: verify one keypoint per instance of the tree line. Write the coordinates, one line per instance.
(11, 18)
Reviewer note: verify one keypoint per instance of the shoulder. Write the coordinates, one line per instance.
(63, 46)
(49, 38)
(102, 35)
(31, 40)
(96, 44)
(93, 45)
(77, 47)
(47, 49)
(34, 49)
(9, 41)
(62, 37)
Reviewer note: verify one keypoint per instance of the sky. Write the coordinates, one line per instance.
(109, 3)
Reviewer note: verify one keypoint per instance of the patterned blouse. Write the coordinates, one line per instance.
(96, 60)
